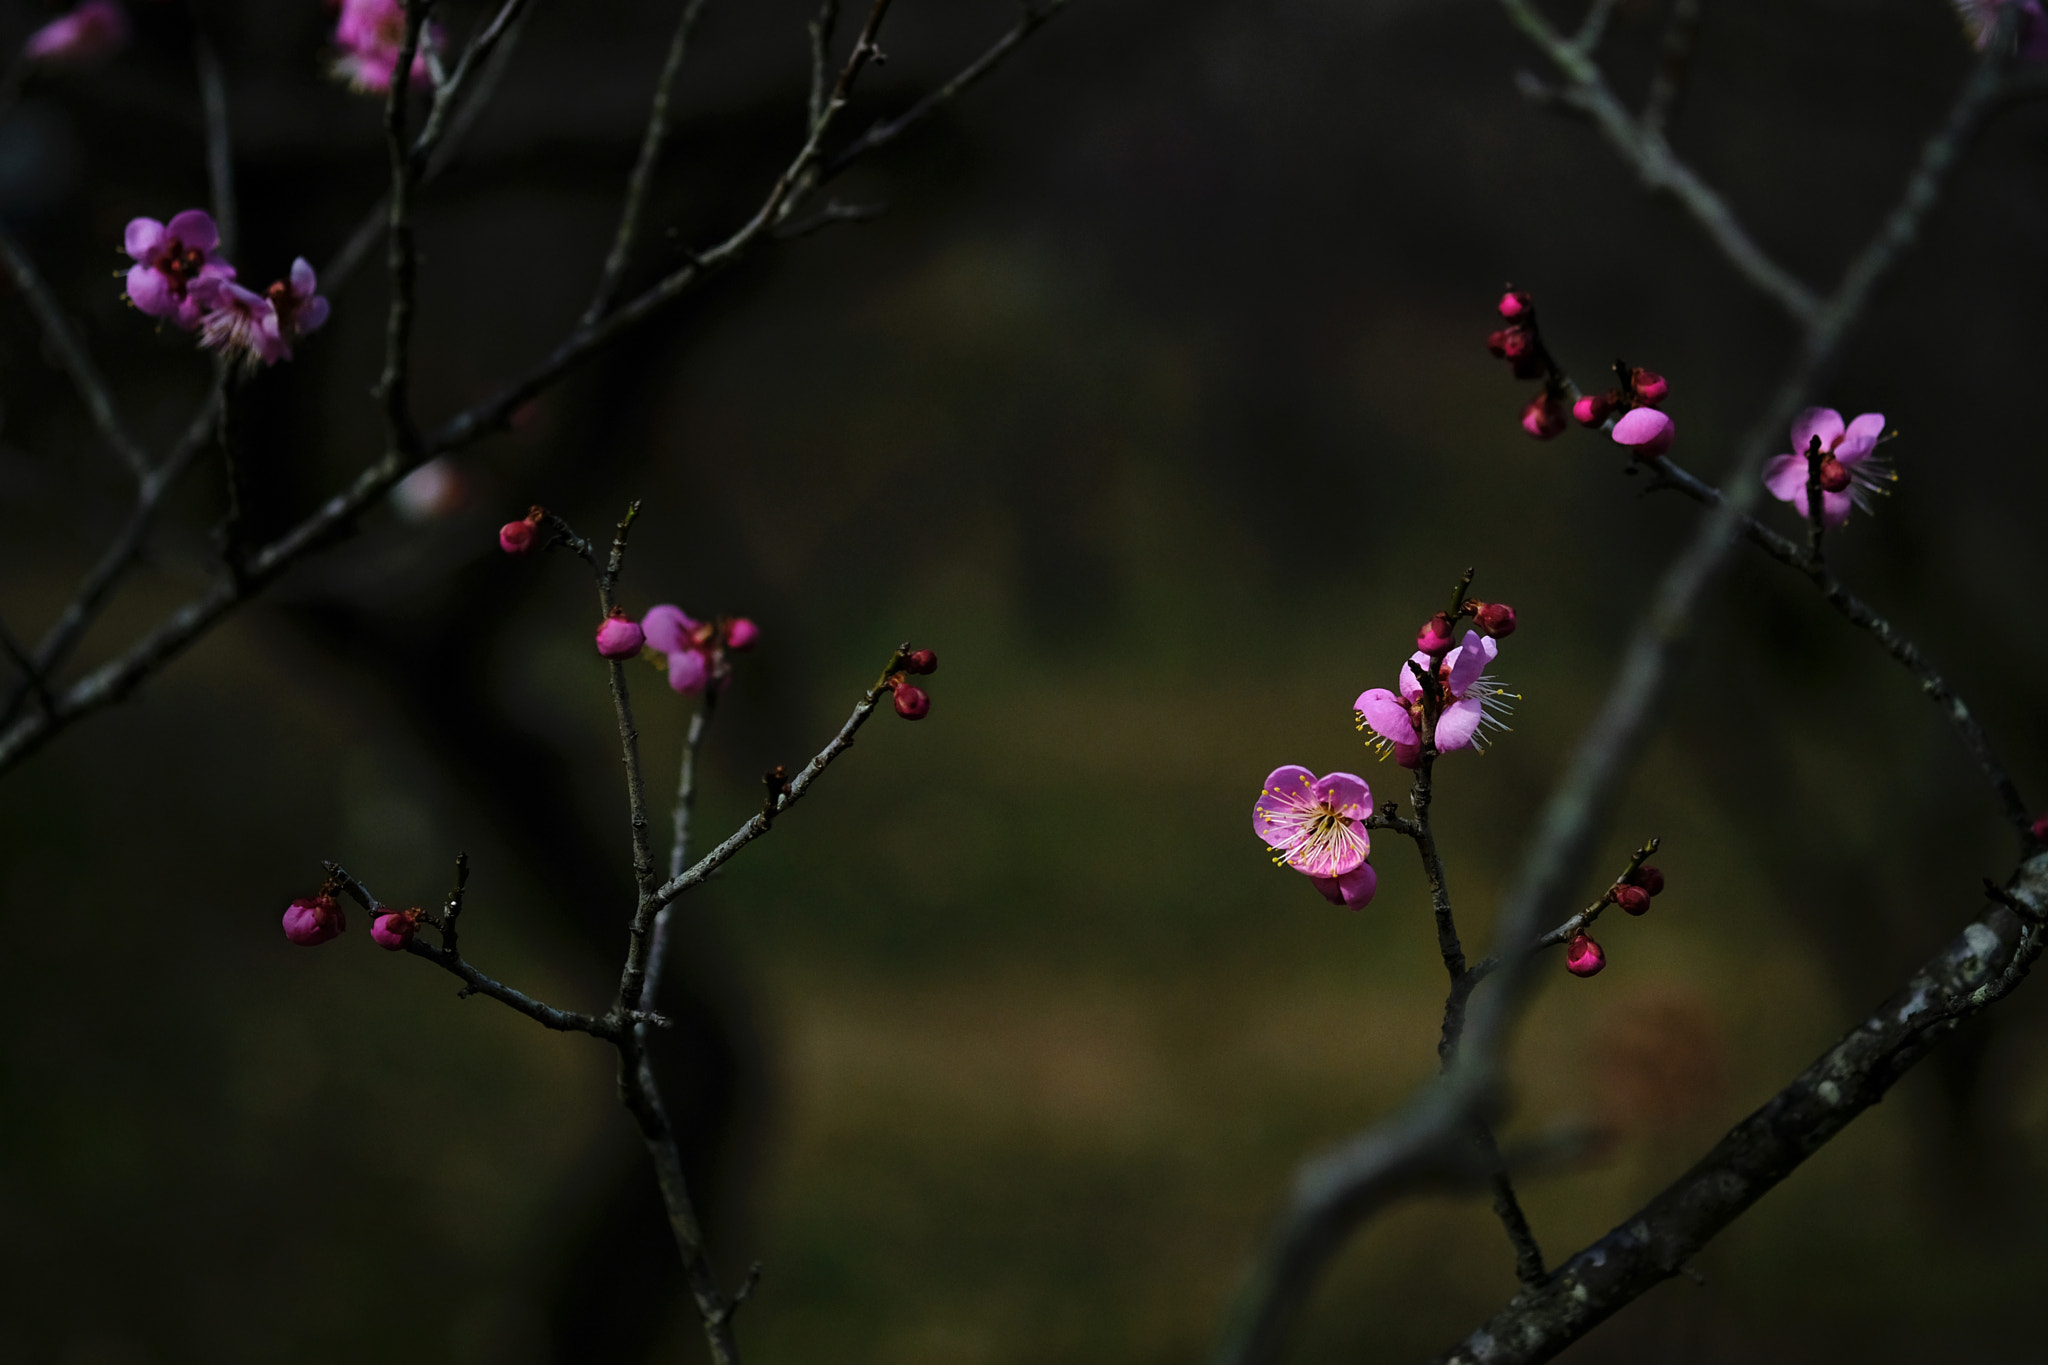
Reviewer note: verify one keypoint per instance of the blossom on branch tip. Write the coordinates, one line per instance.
(1514, 304)
(313, 921)
(1435, 635)
(1316, 825)
(1648, 878)
(619, 637)
(371, 34)
(395, 929)
(241, 325)
(921, 661)
(95, 29)
(1633, 899)
(1584, 957)
(1645, 431)
(740, 633)
(1472, 703)
(685, 642)
(517, 537)
(1851, 473)
(177, 265)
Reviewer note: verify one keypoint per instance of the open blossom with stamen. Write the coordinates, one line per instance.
(300, 309)
(1473, 703)
(1851, 475)
(1316, 825)
(240, 324)
(95, 29)
(371, 34)
(176, 265)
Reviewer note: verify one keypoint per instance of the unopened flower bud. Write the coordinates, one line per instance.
(395, 930)
(1633, 899)
(314, 920)
(1514, 304)
(1592, 409)
(921, 661)
(1435, 635)
(619, 637)
(1648, 878)
(517, 537)
(1583, 957)
(1649, 386)
(1544, 417)
(1834, 475)
(1497, 343)
(740, 633)
(912, 702)
(1496, 619)
(1646, 431)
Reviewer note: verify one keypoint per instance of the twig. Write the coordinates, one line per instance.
(475, 58)
(31, 676)
(71, 354)
(1594, 27)
(821, 26)
(686, 783)
(651, 142)
(220, 154)
(1673, 65)
(1859, 613)
(394, 386)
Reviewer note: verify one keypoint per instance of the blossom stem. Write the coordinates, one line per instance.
(1816, 504)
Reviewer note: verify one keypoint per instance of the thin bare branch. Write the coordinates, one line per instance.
(220, 151)
(821, 27)
(394, 385)
(1674, 65)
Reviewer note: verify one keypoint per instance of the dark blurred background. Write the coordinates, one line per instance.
(1157, 405)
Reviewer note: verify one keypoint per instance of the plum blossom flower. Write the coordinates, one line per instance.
(670, 631)
(1980, 20)
(176, 265)
(1850, 474)
(300, 310)
(1316, 825)
(371, 34)
(95, 29)
(1645, 431)
(1473, 703)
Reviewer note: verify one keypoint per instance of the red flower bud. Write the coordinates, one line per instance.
(395, 930)
(1516, 341)
(1648, 878)
(619, 637)
(1633, 899)
(1497, 343)
(1592, 409)
(740, 633)
(1496, 619)
(1583, 957)
(1435, 635)
(517, 537)
(1514, 304)
(912, 702)
(1649, 386)
(1834, 475)
(1544, 417)
(314, 920)
(921, 661)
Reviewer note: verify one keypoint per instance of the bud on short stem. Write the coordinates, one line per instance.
(912, 702)
(1435, 635)
(1633, 899)
(395, 929)
(1583, 957)
(1544, 418)
(619, 637)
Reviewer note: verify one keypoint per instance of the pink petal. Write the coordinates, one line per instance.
(141, 237)
(1345, 793)
(1861, 438)
(1455, 727)
(1825, 423)
(1647, 429)
(151, 292)
(1834, 507)
(667, 627)
(1386, 715)
(303, 281)
(688, 670)
(1408, 755)
(1469, 660)
(1353, 888)
(1282, 804)
(194, 228)
(1410, 685)
(311, 315)
(1785, 476)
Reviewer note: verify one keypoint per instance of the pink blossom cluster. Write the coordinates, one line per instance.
(96, 29)
(1631, 409)
(1468, 702)
(1852, 474)
(370, 35)
(180, 276)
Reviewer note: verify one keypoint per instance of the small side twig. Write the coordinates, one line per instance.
(220, 152)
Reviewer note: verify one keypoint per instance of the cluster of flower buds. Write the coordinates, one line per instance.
(95, 29)
(1520, 343)
(1496, 619)
(1632, 406)
(1583, 955)
(912, 701)
(179, 276)
(370, 35)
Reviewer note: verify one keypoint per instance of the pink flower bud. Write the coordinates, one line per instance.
(1544, 417)
(1633, 899)
(1649, 386)
(1496, 619)
(921, 661)
(1435, 635)
(1514, 304)
(395, 930)
(1647, 431)
(517, 537)
(740, 633)
(1582, 956)
(1516, 341)
(1592, 409)
(313, 921)
(1648, 878)
(619, 637)
(912, 702)
(1497, 343)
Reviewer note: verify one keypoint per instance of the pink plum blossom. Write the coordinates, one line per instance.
(1472, 702)
(670, 631)
(313, 921)
(240, 324)
(1980, 18)
(300, 309)
(1316, 825)
(371, 34)
(1850, 474)
(1646, 431)
(176, 265)
(95, 29)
